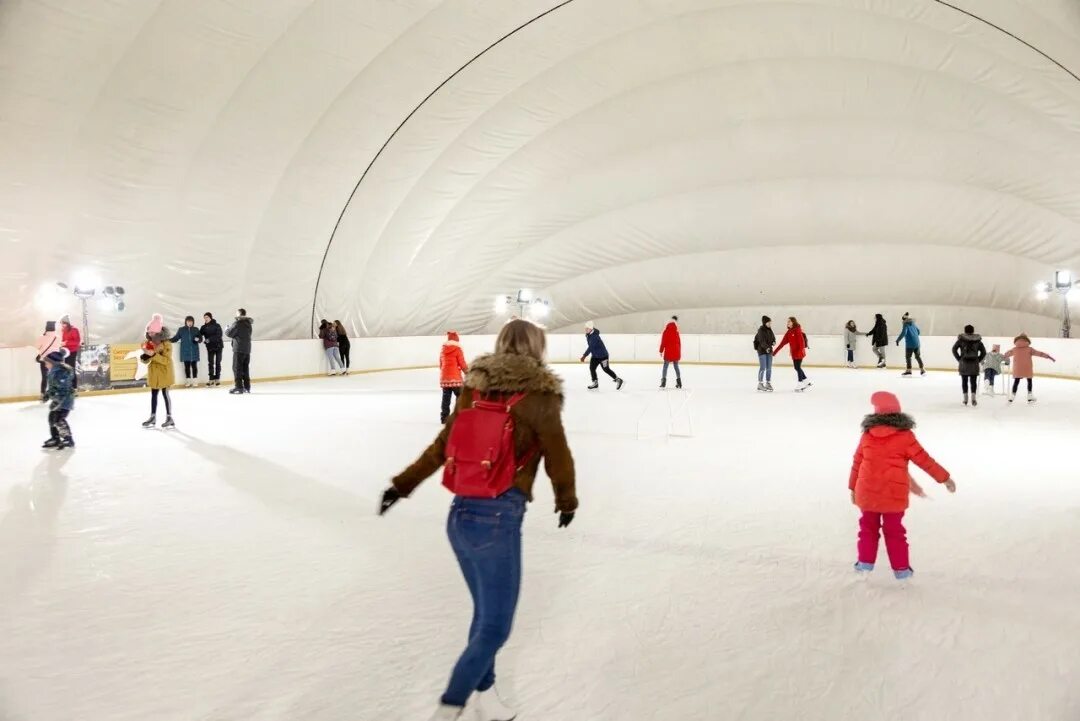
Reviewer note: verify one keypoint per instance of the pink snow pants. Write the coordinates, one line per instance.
(895, 538)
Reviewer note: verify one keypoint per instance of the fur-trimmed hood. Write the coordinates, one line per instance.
(969, 337)
(510, 373)
(893, 421)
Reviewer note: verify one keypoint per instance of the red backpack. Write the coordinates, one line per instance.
(480, 460)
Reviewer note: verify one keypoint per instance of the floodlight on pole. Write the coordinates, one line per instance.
(1064, 285)
(529, 304)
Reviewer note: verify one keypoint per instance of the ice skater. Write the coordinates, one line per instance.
(671, 351)
(969, 352)
(992, 365)
(1023, 367)
(512, 403)
(60, 392)
(189, 338)
(344, 346)
(851, 339)
(451, 367)
(879, 338)
(47, 343)
(160, 375)
(71, 339)
(796, 338)
(328, 335)
(240, 333)
(600, 357)
(213, 340)
(880, 482)
(910, 333)
(764, 341)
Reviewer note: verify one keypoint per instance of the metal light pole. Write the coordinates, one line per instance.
(1063, 284)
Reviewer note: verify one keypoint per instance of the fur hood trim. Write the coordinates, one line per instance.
(899, 421)
(509, 373)
(451, 343)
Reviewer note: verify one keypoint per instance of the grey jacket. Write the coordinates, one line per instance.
(850, 338)
(240, 332)
(994, 361)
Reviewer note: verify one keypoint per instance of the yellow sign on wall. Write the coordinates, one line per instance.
(124, 362)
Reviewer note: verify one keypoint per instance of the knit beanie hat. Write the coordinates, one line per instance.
(155, 325)
(55, 357)
(885, 403)
(589, 325)
(452, 335)
(765, 319)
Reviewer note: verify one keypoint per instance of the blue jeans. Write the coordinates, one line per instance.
(485, 534)
(764, 367)
(677, 373)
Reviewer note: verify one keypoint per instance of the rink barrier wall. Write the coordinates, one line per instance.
(280, 360)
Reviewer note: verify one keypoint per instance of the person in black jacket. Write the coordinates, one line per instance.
(879, 336)
(969, 352)
(212, 339)
(344, 346)
(763, 345)
(240, 332)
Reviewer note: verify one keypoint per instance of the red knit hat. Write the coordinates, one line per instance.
(885, 403)
(452, 335)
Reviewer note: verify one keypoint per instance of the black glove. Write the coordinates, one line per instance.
(565, 518)
(389, 497)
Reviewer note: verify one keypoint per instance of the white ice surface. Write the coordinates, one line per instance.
(235, 569)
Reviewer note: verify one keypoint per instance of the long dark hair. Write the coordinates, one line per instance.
(340, 329)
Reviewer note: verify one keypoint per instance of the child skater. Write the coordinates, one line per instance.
(851, 337)
(992, 367)
(451, 367)
(880, 482)
(60, 392)
(160, 376)
(1022, 365)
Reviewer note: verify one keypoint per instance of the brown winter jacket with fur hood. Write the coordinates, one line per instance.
(537, 422)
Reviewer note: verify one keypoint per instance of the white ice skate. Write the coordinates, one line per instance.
(1031, 398)
(803, 386)
(761, 388)
(768, 386)
(447, 713)
(489, 707)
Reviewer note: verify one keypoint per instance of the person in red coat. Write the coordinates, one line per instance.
(72, 342)
(452, 366)
(880, 483)
(671, 351)
(799, 345)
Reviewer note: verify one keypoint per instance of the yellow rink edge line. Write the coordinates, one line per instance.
(279, 379)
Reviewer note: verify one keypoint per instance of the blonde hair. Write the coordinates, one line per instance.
(522, 337)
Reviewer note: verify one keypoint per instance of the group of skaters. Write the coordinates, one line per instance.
(337, 346)
(157, 354)
(58, 354)
(507, 421)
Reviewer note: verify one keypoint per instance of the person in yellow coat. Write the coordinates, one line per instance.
(160, 374)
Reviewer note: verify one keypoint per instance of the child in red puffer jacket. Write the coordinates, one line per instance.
(880, 482)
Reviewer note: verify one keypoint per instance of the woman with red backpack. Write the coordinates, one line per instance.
(799, 345)
(508, 418)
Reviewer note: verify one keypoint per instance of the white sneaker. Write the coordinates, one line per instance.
(489, 707)
(447, 713)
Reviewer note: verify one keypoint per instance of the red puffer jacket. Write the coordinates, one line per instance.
(452, 365)
(879, 474)
(671, 343)
(797, 340)
(72, 339)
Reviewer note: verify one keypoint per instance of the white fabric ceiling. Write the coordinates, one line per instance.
(626, 158)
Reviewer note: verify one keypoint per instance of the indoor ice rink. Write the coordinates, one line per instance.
(636, 182)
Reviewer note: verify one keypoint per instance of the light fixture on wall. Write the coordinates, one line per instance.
(1064, 285)
(529, 305)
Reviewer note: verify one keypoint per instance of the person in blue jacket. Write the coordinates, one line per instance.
(912, 344)
(600, 357)
(189, 338)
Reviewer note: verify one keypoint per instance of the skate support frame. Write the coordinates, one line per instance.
(671, 412)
